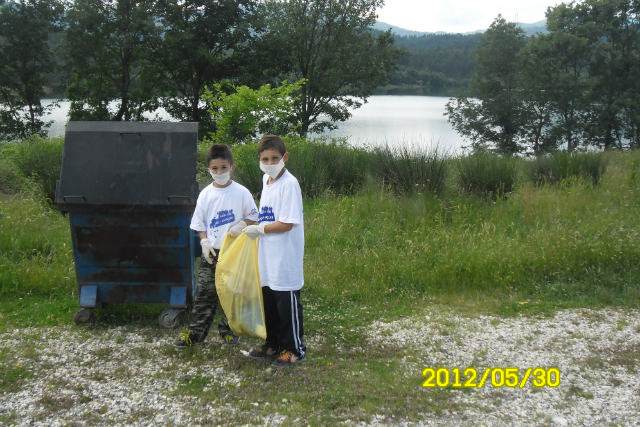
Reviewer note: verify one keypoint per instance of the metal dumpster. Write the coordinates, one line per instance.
(130, 190)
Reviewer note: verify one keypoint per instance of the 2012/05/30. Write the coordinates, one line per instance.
(498, 377)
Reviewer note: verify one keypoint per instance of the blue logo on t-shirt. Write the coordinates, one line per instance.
(266, 215)
(222, 218)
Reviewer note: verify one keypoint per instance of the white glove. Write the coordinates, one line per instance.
(254, 231)
(207, 250)
(236, 230)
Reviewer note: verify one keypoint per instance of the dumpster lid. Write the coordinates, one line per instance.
(129, 165)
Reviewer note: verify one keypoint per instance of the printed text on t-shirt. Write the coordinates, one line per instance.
(222, 218)
(266, 214)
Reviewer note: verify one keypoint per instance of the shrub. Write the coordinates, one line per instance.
(487, 173)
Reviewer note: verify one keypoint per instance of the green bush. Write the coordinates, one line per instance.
(487, 173)
(39, 159)
(409, 168)
(561, 165)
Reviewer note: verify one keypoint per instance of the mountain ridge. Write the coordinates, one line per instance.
(534, 27)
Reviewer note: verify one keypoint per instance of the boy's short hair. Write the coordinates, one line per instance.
(219, 151)
(271, 142)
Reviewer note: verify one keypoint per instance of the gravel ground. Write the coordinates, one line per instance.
(595, 351)
(129, 376)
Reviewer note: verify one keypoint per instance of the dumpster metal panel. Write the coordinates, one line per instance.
(136, 264)
(128, 166)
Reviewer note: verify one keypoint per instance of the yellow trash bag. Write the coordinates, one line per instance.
(238, 286)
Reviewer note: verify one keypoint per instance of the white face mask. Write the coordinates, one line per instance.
(220, 178)
(272, 170)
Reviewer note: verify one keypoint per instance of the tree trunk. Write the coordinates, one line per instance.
(195, 101)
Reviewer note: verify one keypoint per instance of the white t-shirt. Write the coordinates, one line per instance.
(219, 209)
(280, 255)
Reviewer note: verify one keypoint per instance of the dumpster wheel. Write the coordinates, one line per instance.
(83, 316)
(170, 318)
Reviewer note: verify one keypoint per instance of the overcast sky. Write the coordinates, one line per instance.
(459, 16)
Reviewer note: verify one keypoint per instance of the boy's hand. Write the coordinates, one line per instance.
(236, 230)
(207, 250)
(254, 231)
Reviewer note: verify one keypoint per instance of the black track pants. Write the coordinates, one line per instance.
(283, 317)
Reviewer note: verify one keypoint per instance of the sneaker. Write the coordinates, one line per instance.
(262, 352)
(287, 358)
(231, 339)
(187, 339)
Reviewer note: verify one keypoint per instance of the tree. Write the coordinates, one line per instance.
(329, 43)
(536, 102)
(559, 60)
(111, 45)
(25, 27)
(246, 112)
(613, 30)
(203, 44)
(495, 86)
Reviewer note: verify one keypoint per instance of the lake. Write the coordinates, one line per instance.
(397, 119)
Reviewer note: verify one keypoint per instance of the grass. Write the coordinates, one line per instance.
(570, 244)
(376, 252)
(567, 245)
(563, 245)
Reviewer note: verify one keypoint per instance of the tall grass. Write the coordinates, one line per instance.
(322, 166)
(332, 167)
(39, 159)
(577, 244)
(409, 168)
(487, 173)
(36, 256)
(561, 165)
(11, 179)
(573, 244)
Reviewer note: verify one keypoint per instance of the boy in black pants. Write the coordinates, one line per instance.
(280, 255)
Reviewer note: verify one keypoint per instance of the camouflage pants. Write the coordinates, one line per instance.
(205, 302)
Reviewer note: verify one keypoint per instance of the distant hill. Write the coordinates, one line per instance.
(539, 26)
(434, 60)
(383, 26)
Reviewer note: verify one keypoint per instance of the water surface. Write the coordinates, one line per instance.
(397, 119)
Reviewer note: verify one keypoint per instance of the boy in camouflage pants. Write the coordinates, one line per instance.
(223, 206)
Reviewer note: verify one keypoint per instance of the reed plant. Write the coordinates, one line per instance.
(560, 165)
(486, 173)
(408, 168)
(322, 166)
